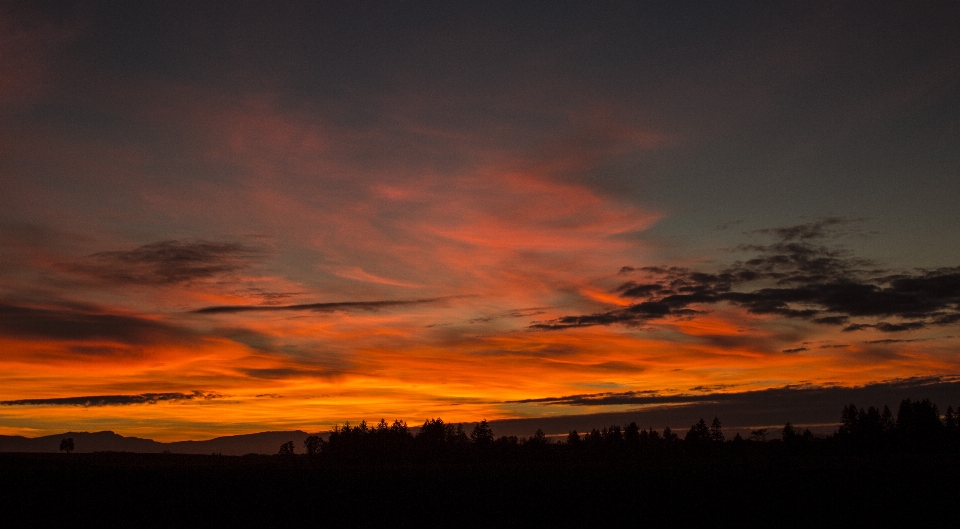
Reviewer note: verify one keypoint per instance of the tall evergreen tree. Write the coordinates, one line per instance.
(482, 434)
(716, 432)
(699, 433)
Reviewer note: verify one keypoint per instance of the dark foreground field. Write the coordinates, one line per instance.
(745, 489)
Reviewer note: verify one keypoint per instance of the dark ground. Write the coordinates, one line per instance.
(726, 490)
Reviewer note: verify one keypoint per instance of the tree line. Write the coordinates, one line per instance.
(917, 426)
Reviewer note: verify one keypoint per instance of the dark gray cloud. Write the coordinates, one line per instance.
(114, 400)
(951, 385)
(884, 326)
(73, 324)
(832, 320)
(317, 307)
(169, 262)
(795, 276)
(712, 387)
(517, 313)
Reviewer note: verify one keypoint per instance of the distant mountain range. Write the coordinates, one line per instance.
(234, 445)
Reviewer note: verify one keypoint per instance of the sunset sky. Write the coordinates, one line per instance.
(221, 218)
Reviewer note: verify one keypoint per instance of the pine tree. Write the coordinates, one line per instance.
(699, 433)
(482, 434)
(716, 433)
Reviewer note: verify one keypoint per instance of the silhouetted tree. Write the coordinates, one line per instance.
(864, 427)
(286, 449)
(399, 429)
(791, 437)
(669, 436)
(951, 425)
(699, 433)
(482, 435)
(313, 444)
(759, 435)
(788, 433)
(594, 438)
(917, 415)
(349, 441)
(716, 433)
(886, 419)
(613, 435)
(455, 434)
(573, 438)
(870, 428)
(66, 445)
(949, 422)
(538, 439)
(631, 434)
(652, 436)
(386, 443)
(432, 431)
(849, 419)
(918, 423)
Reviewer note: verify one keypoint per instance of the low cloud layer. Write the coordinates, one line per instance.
(804, 392)
(798, 275)
(815, 407)
(114, 400)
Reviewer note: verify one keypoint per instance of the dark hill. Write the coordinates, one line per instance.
(85, 442)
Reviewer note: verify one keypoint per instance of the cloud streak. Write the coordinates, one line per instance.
(319, 307)
(115, 400)
(784, 393)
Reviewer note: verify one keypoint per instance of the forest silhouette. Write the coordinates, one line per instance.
(878, 469)
(918, 427)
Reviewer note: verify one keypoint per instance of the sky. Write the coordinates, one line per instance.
(221, 218)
